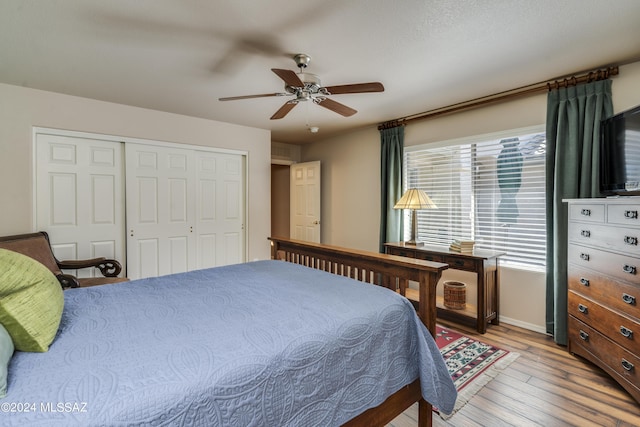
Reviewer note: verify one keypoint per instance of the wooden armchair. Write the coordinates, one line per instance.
(38, 247)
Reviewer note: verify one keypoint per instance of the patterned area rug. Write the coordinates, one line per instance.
(472, 363)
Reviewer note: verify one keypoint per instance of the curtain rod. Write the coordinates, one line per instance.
(549, 85)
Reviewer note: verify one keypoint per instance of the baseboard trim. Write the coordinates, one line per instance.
(524, 325)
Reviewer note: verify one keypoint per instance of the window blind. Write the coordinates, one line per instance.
(489, 191)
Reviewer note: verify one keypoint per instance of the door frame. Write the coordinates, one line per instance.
(124, 139)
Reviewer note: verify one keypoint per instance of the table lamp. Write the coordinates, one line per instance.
(414, 199)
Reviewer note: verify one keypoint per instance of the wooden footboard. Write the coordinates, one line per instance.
(391, 271)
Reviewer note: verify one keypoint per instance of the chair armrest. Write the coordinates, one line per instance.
(68, 281)
(108, 267)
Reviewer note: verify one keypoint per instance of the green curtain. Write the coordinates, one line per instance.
(392, 150)
(573, 134)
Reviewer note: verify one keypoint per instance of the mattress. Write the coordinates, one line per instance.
(264, 343)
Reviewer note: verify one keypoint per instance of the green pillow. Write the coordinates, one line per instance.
(6, 351)
(31, 301)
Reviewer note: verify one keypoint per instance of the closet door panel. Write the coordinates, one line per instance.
(183, 208)
(220, 207)
(160, 210)
(79, 190)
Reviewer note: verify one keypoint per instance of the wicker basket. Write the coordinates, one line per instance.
(455, 295)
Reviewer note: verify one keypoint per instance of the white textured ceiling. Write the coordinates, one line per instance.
(180, 56)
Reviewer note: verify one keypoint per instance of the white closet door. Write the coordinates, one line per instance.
(220, 209)
(160, 210)
(80, 198)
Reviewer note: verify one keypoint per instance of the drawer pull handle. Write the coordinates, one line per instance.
(584, 256)
(631, 214)
(583, 309)
(458, 263)
(631, 240)
(629, 299)
(626, 332)
(585, 212)
(629, 269)
(584, 336)
(585, 233)
(628, 366)
(584, 282)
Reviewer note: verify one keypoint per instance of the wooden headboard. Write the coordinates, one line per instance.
(390, 271)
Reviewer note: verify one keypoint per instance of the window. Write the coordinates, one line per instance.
(490, 189)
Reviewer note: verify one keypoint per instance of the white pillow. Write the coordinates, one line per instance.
(6, 351)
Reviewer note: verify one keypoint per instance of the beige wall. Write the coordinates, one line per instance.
(350, 197)
(351, 182)
(21, 109)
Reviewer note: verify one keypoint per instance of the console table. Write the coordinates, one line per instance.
(483, 263)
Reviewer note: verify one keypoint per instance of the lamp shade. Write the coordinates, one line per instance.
(414, 198)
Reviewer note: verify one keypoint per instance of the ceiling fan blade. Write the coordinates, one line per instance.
(289, 77)
(264, 95)
(355, 88)
(284, 110)
(335, 106)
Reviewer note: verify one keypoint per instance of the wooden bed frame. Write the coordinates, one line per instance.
(390, 271)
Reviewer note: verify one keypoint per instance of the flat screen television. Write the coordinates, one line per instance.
(620, 154)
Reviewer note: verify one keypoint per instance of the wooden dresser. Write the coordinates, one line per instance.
(604, 286)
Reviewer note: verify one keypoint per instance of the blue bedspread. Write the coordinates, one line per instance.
(265, 343)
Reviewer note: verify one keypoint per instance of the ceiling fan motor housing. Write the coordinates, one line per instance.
(312, 86)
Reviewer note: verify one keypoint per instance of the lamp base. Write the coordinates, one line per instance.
(413, 243)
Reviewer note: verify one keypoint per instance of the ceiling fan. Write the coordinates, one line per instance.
(307, 87)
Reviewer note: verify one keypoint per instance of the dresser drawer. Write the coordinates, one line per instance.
(401, 252)
(429, 257)
(460, 263)
(626, 214)
(618, 328)
(620, 296)
(623, 365)
(620, 239)
(620, 266)
(591, 212)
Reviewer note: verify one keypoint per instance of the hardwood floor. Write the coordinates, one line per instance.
(545, 386)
